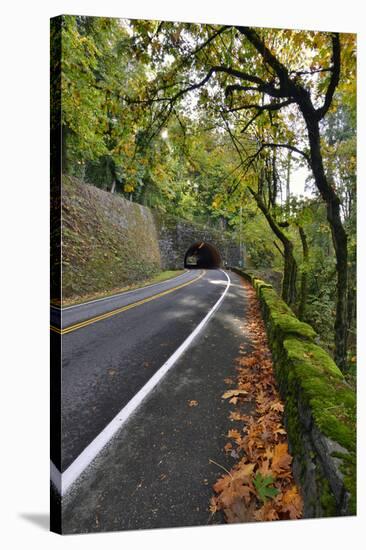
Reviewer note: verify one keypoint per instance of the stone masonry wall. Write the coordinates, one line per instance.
(177, 235)
(320, 409)
(109, 242)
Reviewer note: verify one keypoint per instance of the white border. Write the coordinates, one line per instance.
(24, 234)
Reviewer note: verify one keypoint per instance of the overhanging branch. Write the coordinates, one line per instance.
(287, 146)
(334, 80)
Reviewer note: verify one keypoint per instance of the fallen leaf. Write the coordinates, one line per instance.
(260, 484)
(291, 502)
(228, 447)
(266, 513)
(214, 506)
(233, 393)
(281, 459)
(277, 406)
(234, 434)
(264, 487)
(240, 512)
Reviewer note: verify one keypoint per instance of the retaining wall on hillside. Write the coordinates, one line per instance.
(320, 409)
(108, 241)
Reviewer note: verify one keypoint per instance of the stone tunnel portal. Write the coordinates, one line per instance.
(202, 255)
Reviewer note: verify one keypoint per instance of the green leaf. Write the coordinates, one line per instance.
(263, 487)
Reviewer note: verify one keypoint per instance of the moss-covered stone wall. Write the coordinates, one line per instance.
(320, 409)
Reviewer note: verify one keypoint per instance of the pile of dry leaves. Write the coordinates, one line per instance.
(260, 485)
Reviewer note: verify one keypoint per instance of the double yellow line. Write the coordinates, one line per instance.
(88, 322)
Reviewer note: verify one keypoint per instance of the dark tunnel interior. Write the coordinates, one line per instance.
(202, 255)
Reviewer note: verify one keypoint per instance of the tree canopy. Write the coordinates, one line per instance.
(215, 124)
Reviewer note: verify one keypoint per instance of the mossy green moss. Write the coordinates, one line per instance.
(285, 324)
(349, 470)
(273, 302)
(323, 389)
(293, 426)
(259, 285)
(311, 377)
(327, 501)
(315, 394)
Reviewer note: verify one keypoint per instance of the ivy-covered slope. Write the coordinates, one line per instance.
(107, 241)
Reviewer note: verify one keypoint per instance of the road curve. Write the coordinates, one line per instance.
(70, 316)
(107, 360)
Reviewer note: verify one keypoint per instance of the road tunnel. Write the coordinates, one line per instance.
(202, 255)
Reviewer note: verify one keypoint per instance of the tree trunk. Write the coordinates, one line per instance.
(113, 188)
(290, 265)
(339, 237)
(304, 274)
(351, 299)
(289, 275)
(288, 177)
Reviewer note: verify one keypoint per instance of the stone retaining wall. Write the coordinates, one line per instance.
(108, 241)
(320, 409)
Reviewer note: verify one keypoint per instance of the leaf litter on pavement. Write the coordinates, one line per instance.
(260, 485)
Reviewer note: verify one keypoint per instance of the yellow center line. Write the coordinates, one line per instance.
(82, 324)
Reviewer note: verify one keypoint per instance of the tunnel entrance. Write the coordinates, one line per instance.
(202, 255)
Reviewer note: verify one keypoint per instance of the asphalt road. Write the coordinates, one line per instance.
(159, 469)
(111, 347)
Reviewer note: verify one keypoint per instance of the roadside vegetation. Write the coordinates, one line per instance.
(159, 278)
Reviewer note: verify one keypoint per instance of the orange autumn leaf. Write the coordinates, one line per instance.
(248, 361)
(281, 459)
(260, 444)
(240, 511)
(234, 434)
(277, 406)
(244, 471)
(291, 502)
(228, 447)
(233, 393)
(267, 512)
(214, 505)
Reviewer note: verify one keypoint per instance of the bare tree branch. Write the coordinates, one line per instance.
(287, 146)
(266, 107)
(314, 71)
(278, 248)
(238, 87)
(286, 84)
(257, 114)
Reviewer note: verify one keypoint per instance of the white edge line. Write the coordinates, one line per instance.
(63, 482)
(119, 294)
